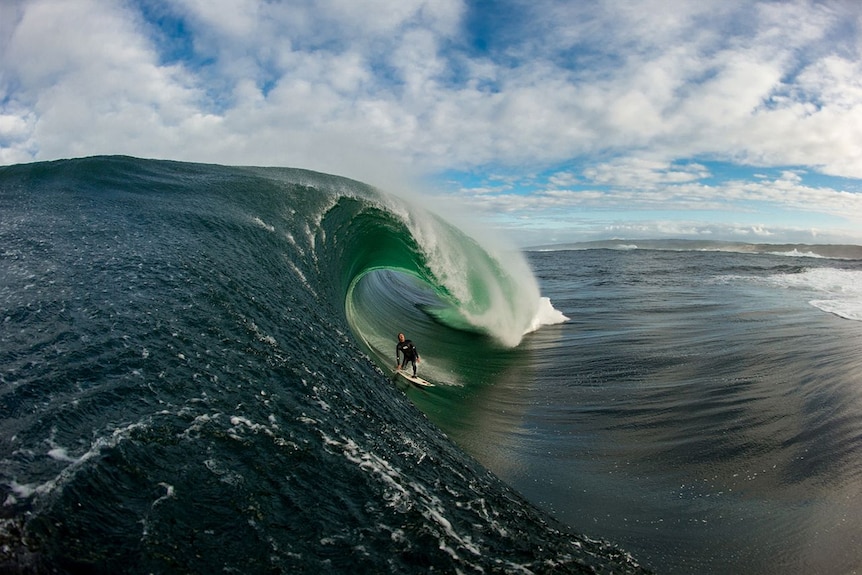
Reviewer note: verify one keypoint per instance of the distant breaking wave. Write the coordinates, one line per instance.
(833, 251)
(835, 291)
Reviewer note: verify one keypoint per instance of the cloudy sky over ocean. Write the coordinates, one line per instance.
(554, 120)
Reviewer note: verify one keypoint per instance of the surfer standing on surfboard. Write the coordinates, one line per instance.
(406, 348)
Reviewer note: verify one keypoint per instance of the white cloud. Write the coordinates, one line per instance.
(636, 91)
(82, 80)
(238, 19)
(13, 127)
(644, 198)
(680, 83)
(642, 173)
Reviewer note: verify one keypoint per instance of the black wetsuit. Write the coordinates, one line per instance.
(408, 350)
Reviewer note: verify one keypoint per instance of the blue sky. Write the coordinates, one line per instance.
(551, 120)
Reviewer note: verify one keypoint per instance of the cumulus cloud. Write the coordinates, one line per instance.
(636, 95)
(669, 189)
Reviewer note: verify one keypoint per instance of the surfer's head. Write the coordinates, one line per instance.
(400, 337)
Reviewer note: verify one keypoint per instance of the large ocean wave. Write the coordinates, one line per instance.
(441, 270)
(194, 378)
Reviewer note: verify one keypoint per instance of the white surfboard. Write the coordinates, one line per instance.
(414, 379)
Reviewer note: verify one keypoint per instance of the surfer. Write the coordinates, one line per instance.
(406, 348)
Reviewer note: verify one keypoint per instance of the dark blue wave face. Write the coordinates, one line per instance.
(181, 389)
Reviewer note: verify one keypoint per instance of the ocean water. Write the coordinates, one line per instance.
(703, 409)
(195, 377)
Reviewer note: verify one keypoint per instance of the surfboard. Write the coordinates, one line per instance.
(414, 379)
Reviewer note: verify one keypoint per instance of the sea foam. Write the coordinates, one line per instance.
(836, 291)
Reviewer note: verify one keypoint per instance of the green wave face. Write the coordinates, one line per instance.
(403, 269)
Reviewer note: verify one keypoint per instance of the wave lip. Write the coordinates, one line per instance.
(493, 289)
(461, 282)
